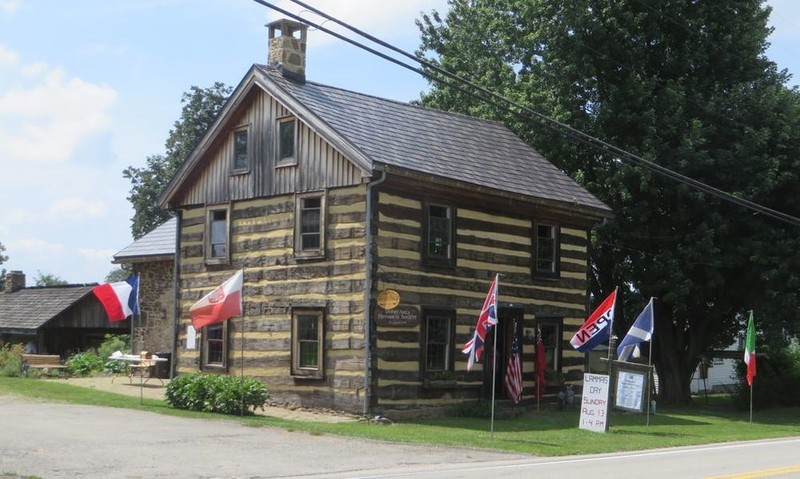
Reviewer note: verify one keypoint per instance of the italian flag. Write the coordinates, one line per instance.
(750, 351)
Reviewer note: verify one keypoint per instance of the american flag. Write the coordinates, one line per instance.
(513, 379)
(488, 318)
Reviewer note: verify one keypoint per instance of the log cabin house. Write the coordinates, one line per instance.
(369, 231)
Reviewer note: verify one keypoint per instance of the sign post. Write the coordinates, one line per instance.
(594, 402)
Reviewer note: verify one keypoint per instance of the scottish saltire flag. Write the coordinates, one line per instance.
(641, 331)
(513, 377)
(596, 329)
(488, 318)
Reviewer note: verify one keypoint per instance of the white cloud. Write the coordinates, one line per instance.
(8, 57)
(47, 116)
(35, 247)
(104, 255)
(76, 209)
(8, 7)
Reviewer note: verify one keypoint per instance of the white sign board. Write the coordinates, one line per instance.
(191, 337)
(630, 390)
(594, 402)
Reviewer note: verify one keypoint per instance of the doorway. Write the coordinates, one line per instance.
(509, 321)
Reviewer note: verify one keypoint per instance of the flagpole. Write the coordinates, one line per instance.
(241, 368)
(538, 373)
(650, 364)
(241, 347)
(494, 348)
(746, 367)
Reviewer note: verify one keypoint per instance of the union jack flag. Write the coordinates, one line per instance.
(488, 318)
(513, 378)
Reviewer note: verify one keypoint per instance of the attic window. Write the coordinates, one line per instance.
(241, 150)
(286, 142)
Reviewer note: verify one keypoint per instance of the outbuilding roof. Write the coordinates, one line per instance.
(156, 245)
(28, 309)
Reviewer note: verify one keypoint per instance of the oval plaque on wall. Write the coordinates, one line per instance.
(388, 299)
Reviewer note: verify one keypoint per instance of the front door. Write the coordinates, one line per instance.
(509, 319)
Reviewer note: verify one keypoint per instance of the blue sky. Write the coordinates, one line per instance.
(90, 87)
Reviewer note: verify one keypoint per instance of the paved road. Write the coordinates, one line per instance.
(68, 441)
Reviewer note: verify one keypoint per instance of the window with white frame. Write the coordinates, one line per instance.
(308, 342)
(217, 235)
(310, 226)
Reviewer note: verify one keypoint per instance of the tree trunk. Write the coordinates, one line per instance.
(674, 364)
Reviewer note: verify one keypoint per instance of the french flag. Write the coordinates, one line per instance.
(120, 299)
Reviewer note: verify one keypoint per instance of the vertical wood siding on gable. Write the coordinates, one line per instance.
(319, 165)
(488, 242)
(262, 235)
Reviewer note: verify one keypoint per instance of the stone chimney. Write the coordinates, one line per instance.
(287, 52)
(15, 281)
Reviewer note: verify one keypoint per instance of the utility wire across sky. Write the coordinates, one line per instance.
(513, 107)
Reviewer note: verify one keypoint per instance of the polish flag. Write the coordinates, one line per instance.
(120, 299)
(219, 305)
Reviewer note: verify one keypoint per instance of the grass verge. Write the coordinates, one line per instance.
(545, 433)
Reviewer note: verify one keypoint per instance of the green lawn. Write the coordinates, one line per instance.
(545, 433)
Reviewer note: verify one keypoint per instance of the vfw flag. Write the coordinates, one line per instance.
(219, 305)
(488, 318)
(750, 350)
(641, 331)
(597, 328)
(119, 299)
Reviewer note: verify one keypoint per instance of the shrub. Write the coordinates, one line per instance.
(10, 360)
(84, 364)
(777, 381)
(216, 393)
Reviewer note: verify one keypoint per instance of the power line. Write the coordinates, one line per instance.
(563, 128)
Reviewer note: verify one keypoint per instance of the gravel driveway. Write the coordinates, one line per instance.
(67, 441)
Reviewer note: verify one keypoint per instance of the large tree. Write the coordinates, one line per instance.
(200, 109)
(685, 85)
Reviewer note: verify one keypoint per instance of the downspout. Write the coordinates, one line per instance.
(368, 294)
(176, 293)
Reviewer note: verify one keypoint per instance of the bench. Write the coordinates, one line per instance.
(41, 361)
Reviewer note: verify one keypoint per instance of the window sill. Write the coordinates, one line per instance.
(308, 377)
(242, 171)
(309, 256)
(286, 162)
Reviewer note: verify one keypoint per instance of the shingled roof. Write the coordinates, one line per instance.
(26, 310)
(377, 133)
(158, 244)
(450, 145)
